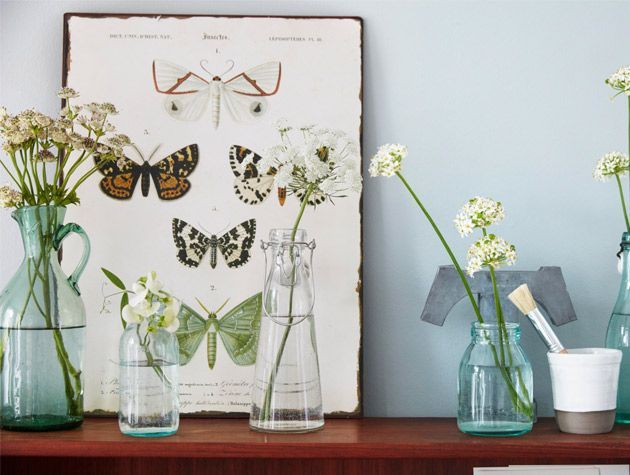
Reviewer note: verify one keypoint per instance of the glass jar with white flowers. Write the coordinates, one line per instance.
(315, 165)
(495, 383)
(149, 359)
(616, 166)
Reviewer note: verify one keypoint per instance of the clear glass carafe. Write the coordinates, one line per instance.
(495, 384)
(42, 322)
(149, 402)
(286, 394)
(618, 334)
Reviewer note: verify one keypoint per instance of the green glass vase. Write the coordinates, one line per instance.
(618, 334)
(496, 384)
(42, 322)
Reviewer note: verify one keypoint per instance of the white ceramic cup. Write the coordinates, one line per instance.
(584, 384)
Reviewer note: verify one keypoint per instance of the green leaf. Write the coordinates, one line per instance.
(114, 279)
(123, 301)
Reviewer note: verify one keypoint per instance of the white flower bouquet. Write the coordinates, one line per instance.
(616, 164)
(45, 154)
(489, 251)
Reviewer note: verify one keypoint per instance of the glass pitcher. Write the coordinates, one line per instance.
(42, 320)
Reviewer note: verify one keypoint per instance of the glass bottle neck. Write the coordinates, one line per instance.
(37, 228)
(623, 300)
(489, 332)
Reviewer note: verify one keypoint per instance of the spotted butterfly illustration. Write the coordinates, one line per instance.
(252, 185)
(188, 94)
(235, 245)
(169, 174)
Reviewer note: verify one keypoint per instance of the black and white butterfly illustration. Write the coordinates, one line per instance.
(235, 245)
(252, 185)
(188, 94)
(169, 175)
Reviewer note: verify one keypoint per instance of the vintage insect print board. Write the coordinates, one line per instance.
(196, 94)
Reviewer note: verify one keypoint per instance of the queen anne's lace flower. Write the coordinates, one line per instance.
(620, 80)
(324, 160)
(478, 212)
(490, 251)
(611, 164)
(388, 160)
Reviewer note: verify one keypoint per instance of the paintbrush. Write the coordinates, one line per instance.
(522, 298)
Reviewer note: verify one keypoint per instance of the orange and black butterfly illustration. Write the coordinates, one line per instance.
(251, 184)
(169, 174)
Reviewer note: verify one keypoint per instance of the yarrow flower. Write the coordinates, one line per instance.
(620, 80)
(611, 164)
(388, 160)
(9, 197)
(490, 251)
(478, 212)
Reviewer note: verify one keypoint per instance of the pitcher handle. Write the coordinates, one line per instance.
(62, 233)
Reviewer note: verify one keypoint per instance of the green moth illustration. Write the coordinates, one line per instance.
(238, 329)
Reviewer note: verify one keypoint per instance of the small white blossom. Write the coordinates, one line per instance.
(620, 80)
(611, 164)
(388, 160)
(149, 301)
(170, 322)
(67, 93)
(478, 212)
(283, 126)
(9, 197)
(46, 156)
(490, 251)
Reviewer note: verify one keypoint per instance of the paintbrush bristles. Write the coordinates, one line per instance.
(522, 298)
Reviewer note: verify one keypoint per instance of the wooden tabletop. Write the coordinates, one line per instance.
(342, 439)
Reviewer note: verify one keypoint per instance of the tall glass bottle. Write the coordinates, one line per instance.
(42, 322)
(488, 405)
(618, 334)
(286, 395)
(149, 402)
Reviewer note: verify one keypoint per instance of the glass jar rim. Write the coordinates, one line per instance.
(494, 326)
(283, 235)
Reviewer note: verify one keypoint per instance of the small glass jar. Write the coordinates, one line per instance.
(149, 403)
(287, 396)
(495, 384)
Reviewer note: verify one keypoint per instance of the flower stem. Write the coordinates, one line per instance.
(623, 202)
(446, 247)
(266, 409)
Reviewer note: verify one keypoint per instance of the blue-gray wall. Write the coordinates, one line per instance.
(504, 99)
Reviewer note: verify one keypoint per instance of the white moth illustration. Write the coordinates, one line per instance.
(188, 94)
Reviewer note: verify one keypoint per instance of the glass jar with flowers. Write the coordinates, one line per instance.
(495, 384)
(42, 316)
(315, 165)
(616, 165)
(149, 359)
